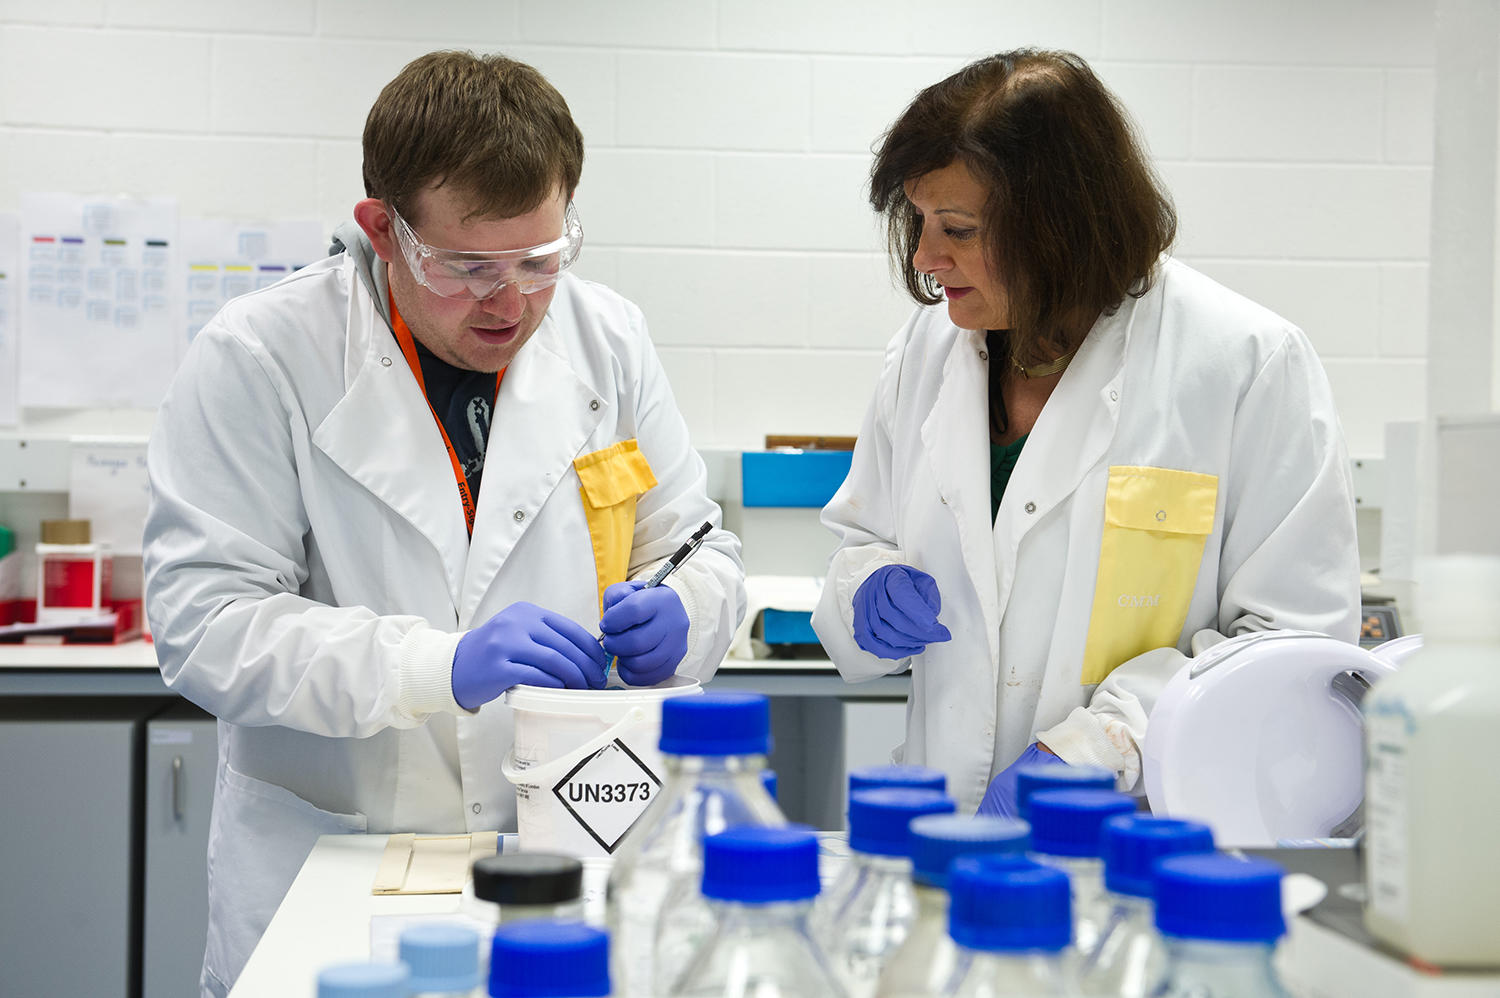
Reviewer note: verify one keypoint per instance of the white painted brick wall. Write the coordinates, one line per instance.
(729, 144)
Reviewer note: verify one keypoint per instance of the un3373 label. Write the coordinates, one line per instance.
(608, 793)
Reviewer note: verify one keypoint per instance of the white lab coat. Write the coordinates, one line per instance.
(309, 574)
(1191, 377)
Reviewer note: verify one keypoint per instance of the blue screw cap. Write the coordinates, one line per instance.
(441, 957)
(1071, 822)
(1219, 897)
(938, 839)
(1009, 903)
(549, 959)
(716, 724)
(1134, 842)
(880, 819)
(1057, 776)
(363, 980)
(913, 777)
(758, 864)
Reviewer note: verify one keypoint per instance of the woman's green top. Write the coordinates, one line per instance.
(1003, 458)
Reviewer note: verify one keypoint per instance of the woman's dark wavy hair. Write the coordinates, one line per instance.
(1076, 217)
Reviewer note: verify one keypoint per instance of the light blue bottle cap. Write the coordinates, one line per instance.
(755, 864)
(1057, 776)
(936, 840)
(716, 724)
(363, 980)
(441, 957)
(1219, 897)
(549, 959)
(1007, 903)
(1134, 842)
(880, 818)
(1071, 822)
(913, 777)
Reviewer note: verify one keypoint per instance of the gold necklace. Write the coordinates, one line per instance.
(1042, 370)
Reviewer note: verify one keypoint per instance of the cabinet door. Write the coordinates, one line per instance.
(67, 781)
(181, 756)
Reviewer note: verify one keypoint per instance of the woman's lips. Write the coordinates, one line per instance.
(954, 294)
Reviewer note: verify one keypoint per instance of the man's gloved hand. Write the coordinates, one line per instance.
(896, 612)
(646, 629)
(525, 644)
(1000, 799)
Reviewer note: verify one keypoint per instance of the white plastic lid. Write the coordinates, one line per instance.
(1459, 597)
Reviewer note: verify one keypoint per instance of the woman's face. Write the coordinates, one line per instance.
(950, 202)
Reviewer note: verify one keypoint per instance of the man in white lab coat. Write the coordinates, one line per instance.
(1085, 465)
(325, 573)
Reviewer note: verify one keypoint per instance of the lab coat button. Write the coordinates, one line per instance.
(1114, 396)
(1031, 507)
(478, 808)
(520, 515)
(594, 405)
(385, 362)
(983, 355)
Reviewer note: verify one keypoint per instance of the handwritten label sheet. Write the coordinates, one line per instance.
(107, 486)
(226, 259)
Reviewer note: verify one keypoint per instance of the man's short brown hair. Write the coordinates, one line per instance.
(489, 126)
(1076, 217)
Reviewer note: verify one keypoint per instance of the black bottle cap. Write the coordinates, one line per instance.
(528, 878)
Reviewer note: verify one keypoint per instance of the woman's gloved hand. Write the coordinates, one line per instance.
(525, 644)
(896, 612)
(645, 629)
(1000, 799)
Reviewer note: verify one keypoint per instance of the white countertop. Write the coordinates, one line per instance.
(126, 655)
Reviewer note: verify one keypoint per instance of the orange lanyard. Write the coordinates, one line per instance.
(409, 351)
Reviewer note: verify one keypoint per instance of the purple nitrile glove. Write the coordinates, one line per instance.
(896, 612)
(645, 629)
(1000, 799)
(525, 644)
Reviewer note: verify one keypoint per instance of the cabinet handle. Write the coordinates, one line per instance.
(177, 788)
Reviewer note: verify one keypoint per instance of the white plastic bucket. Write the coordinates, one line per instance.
(585, 763)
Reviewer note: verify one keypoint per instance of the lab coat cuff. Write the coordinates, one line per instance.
(859, 568)
(684, 591)
(1082, 739)
(427, 672)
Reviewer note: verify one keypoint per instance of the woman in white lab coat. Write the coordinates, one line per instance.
(1083, 461)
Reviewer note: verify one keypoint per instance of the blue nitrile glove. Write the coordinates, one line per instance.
(896, 612)
(1000, 799)
(525, 644)
(645, 629)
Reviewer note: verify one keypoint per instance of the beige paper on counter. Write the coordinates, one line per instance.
(430, 864)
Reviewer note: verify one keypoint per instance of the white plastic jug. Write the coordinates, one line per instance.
(585, 763)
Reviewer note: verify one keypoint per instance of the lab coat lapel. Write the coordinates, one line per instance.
(544, 416)
(383, 435)
(955, 435)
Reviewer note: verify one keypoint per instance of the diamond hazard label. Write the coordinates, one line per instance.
(607, 791)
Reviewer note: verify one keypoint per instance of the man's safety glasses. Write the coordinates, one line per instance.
(475, 276)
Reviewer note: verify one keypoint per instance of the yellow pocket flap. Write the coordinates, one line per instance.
(1161, 499)
(614, 474)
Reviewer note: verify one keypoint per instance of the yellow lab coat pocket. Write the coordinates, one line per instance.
(611, 480)
(1155, 523)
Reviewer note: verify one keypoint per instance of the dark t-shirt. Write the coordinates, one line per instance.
(463, 400)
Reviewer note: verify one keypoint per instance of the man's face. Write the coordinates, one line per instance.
(482, 335)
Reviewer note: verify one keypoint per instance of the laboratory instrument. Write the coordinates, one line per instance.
(541, 959)
(1129, 957)
(714, 748)
(1011, 919)
(443, 959)
(760, 882)
(867, 912)
(1067, 830)
(1220, 918)
(1433, 798)
(926, 959)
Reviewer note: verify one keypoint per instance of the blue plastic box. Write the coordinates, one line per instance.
(787, 627)
(792, 478)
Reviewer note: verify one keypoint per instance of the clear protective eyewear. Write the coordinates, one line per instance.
(478, 275)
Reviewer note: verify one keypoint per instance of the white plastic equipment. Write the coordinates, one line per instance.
(1261, 737)
(1395, 650)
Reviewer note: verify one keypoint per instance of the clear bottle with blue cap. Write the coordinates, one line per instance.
(714, 749)
(871, 906)
(1057, 775)
(443, 959)
(760, 883)
(1220, 917)
(539, 958)
(894, 775)
(1012, 920)
(363, 980)
(1067, 830)
(926, 959)
(1129, 958)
